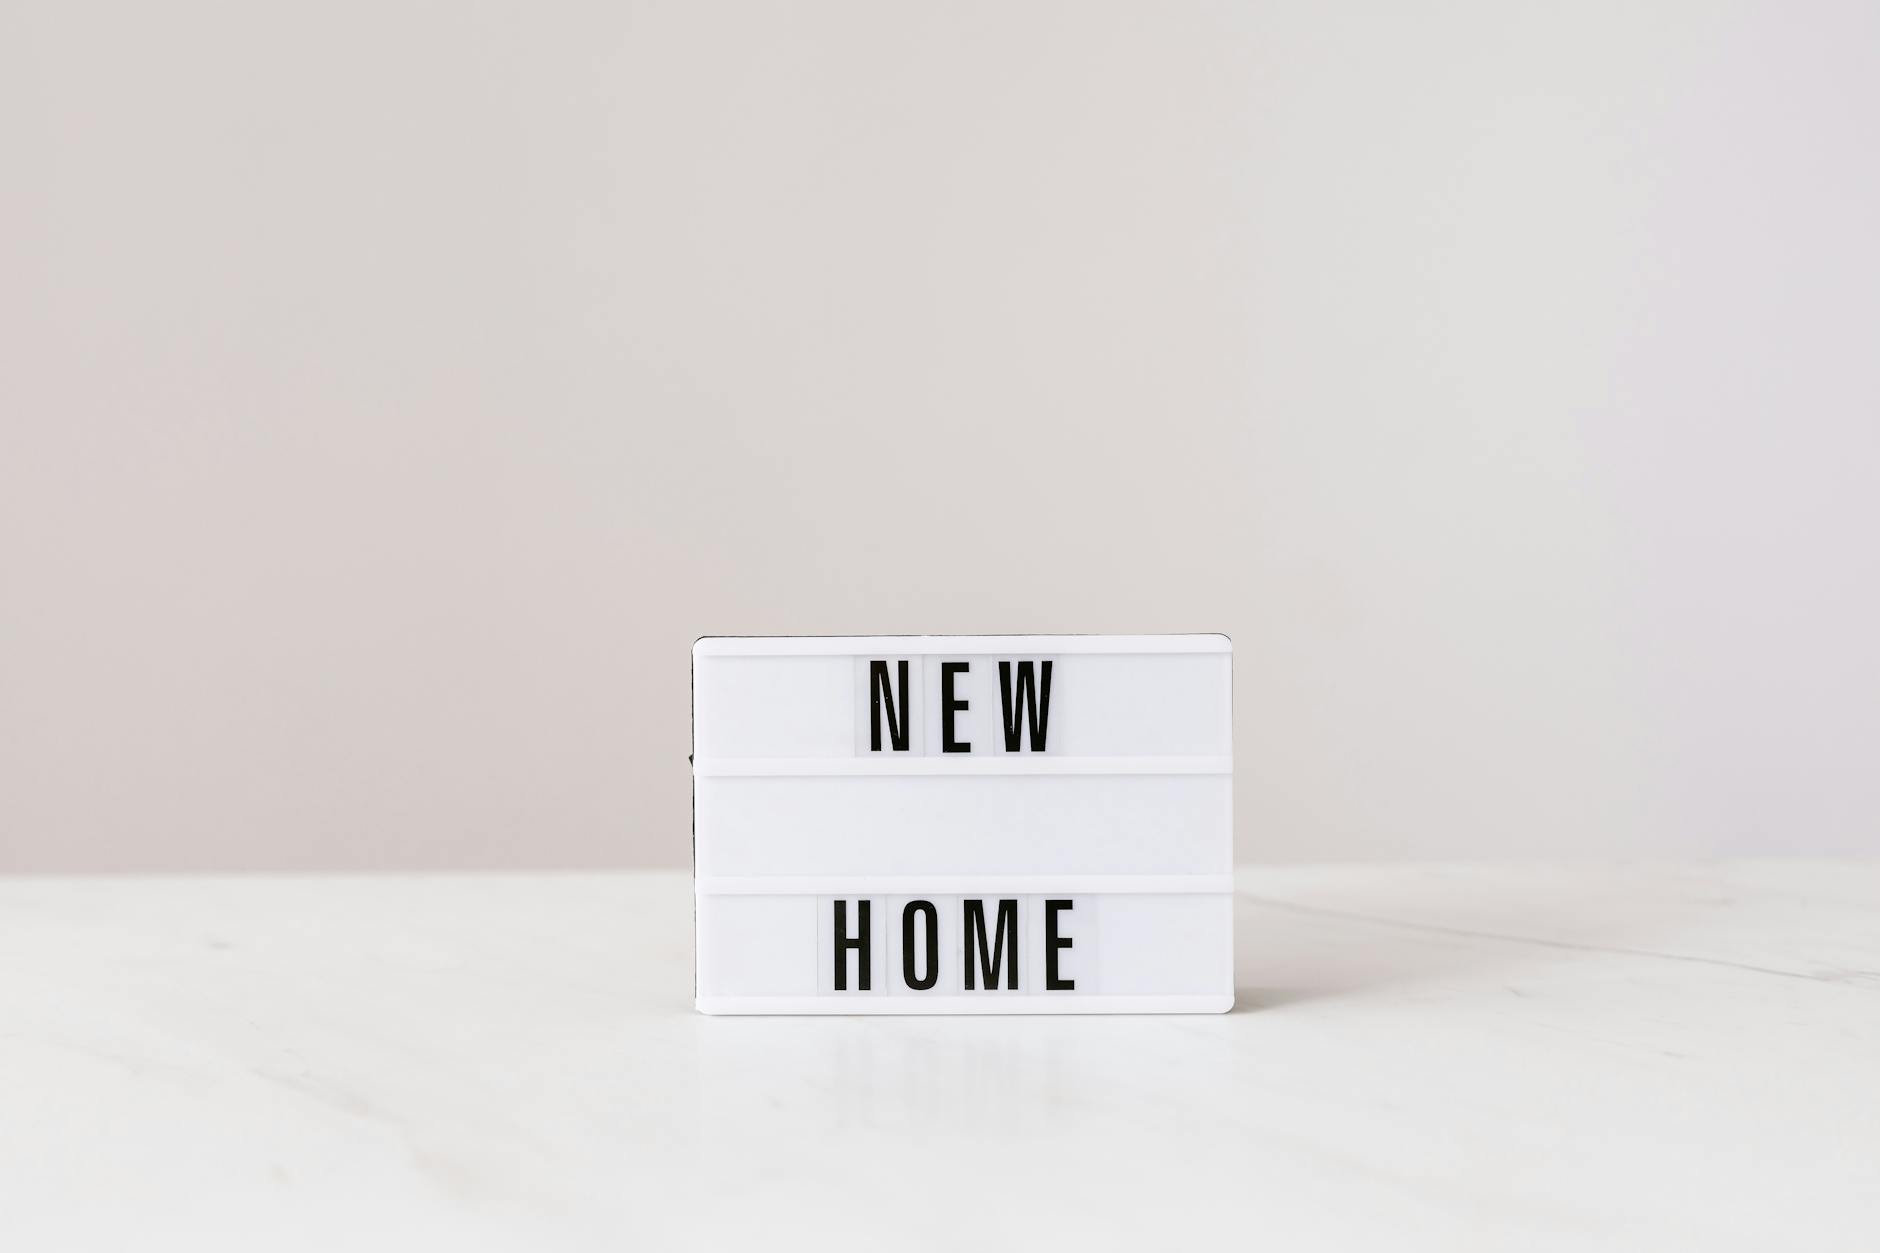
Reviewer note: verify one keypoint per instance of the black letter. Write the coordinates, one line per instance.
(947, 705)
(897, 714)
(845, 943)
(1004, 944)
(1037, 699)
(907, 945)
(1052, 944)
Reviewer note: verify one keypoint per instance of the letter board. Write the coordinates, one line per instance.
(963, 824)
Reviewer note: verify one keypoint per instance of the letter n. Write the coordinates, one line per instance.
(883, 699)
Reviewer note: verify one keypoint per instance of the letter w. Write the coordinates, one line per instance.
(1036, 698)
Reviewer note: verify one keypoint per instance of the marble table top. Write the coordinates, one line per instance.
(1424, 1057)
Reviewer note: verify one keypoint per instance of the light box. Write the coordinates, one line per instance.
(963, 824)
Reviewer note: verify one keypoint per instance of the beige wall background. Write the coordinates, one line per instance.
(391, 391)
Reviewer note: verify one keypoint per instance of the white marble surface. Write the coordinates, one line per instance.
(1424, 1058)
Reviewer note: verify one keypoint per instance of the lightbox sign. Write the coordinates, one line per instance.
(963, 824)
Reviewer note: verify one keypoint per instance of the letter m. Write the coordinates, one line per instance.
(1004, 952)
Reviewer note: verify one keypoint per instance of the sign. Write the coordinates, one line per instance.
(963, 824)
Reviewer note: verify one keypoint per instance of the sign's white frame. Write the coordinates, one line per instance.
(963, 824)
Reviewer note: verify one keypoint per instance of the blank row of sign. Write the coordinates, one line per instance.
(985, 825)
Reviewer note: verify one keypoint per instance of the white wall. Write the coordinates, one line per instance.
(391, 391)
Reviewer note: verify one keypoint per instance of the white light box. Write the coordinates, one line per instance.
(963, 824)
